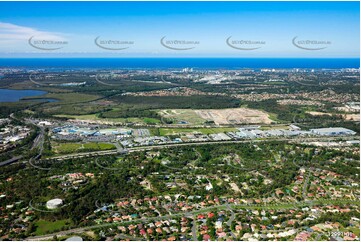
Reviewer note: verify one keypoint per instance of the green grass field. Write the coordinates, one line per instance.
(68, 148)
(151, 121)
(46, 227)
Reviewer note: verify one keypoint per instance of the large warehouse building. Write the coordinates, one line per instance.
(333, 131)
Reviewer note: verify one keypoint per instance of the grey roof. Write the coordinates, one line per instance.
(335, 130)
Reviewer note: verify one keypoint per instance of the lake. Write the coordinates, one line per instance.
(10, 95)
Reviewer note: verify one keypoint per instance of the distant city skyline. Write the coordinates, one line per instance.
(180, 29)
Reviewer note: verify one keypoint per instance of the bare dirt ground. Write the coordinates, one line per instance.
(354, 117)
(235, 187)
(314, 113)
(234, 116)
(178, 115)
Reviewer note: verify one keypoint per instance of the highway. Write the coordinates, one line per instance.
(12, 160)
(142, 148)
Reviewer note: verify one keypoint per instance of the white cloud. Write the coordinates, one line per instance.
(11, 32)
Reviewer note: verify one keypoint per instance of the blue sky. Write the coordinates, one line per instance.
(332, 28)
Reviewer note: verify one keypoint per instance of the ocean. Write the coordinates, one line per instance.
(170, 63)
